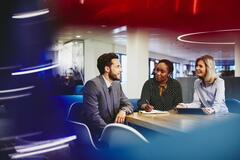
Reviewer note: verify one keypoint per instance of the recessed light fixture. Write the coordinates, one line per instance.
(119, 36)
(103, 26)
(78, 36)
(181, 37)
(119, 29)
(30, 14)
(81, 1)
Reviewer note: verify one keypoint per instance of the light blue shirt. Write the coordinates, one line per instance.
(212, 95)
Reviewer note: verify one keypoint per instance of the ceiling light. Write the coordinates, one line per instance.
(195, 6)
(81, 1)
(78, 36)
(181, 37)
(30, 14)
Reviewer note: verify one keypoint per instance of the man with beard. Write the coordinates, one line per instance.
(104, 100)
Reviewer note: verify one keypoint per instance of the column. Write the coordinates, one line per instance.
(237, 58)
(137, 61)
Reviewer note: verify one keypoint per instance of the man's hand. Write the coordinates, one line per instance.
(120, 118)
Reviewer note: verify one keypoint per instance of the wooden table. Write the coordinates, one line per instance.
(173, 123)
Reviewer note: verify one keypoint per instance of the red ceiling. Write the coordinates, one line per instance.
(171, 14)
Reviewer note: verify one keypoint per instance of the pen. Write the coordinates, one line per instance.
(147, 101)
(149, 106)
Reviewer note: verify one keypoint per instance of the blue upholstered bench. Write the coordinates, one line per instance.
(233, 105)
(67, 100)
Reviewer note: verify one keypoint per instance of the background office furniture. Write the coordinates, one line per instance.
(119, 135)
(233, 105)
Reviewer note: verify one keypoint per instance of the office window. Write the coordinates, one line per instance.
(225, 68)
(71, 61)
(123, 61)
(152, 63)
(189, 69)
(176, 70)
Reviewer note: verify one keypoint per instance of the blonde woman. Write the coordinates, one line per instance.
(209, 89)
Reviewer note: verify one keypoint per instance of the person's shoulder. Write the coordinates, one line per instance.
(174, 81)
(150, 80)
(219, 80)
(116, 83)
(197, 81)
(93, 81)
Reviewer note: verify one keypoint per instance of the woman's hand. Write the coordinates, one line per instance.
(148, 108)
(208, 110)
(181, 105)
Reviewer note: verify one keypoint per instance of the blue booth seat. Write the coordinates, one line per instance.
(79, 90)
(134, 103)
(65, 101)
(233, 105)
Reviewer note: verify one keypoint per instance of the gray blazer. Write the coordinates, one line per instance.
(97, 103)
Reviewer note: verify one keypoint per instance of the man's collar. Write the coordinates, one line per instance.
(107, 82)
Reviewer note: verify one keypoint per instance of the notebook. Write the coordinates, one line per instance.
(190, 111)
(154, 112)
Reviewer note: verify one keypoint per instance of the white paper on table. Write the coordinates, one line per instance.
(154, 112)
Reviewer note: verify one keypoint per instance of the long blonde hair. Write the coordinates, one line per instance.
(210, 66)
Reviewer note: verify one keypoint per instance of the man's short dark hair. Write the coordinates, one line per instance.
(168, 63)
(105, 60)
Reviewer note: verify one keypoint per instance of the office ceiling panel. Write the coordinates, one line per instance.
(165, 19)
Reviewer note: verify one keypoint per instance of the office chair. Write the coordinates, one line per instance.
(75, 113)
(83, 135)
(75, 123)
(117, 135)
(233, 105)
